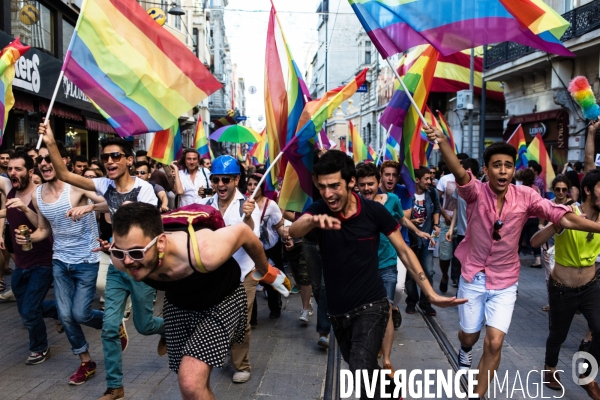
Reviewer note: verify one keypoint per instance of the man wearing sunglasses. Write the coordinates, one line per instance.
(65, 213)
(117, 188)
(235, 209)
(191, 178)
(142, 171)
(488, 254)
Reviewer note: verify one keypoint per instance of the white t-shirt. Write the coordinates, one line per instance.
(271, 217)
(447, 185)
(142, 192)
(234, 215)
(190, 189)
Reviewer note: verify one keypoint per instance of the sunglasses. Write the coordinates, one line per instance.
(497, 226)
(39, 159)
(140, 172)
(216, 180)
(116, 156)
(134, 254)
(561, 190)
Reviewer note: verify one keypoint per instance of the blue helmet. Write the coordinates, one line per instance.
(225, 165)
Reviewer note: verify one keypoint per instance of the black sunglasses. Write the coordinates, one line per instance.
(116, 156)
(39, 159)
(140, 172)
(216, 180)
(561, 190)
(497, 226)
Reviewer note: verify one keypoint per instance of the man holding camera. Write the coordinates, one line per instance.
(191, 178)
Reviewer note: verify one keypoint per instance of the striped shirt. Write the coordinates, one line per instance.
(73, 240)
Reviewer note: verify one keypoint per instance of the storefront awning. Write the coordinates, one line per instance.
(61, 111)
(99, 126)
(23, 102)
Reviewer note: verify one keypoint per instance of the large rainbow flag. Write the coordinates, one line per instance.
(356, 145)
(201, 141)
(166, 145)
(446, 129)
(403, 118)
(537, 151)
(10, 55)
(454, 25)
(139, 76)
(517, 140)
(296, 190)
(453, 72)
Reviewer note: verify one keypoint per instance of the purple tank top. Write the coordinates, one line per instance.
(41, 253)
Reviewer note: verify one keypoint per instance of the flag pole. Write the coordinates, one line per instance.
(412, 101)
(513, 134)
(47, 119)
(382, 151)
(267, 173)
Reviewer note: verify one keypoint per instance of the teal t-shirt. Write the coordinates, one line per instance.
(387, 253)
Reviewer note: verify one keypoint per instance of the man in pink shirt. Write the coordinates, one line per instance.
(497, 212)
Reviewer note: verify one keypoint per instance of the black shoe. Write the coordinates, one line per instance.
(275, 314)
(454, 283)
(410, 309)
(396, 318)
(428, 310)
(536, 266)
(585, 345)
(444, 287)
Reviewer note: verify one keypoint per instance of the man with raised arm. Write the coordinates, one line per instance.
(347, 228)
(497, 212)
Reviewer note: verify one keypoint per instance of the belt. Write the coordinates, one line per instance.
(559, 285)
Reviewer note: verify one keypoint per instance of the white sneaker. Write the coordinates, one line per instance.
(259, 288)
(310, 308)
(241, 376)
(304, 314)
(8, 296)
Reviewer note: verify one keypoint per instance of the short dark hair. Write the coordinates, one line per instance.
(141, 153)
(80, 158)
(561, 178)
(7, 151)
(62, 149)
(578, 165)
(364, 170)
(527, 177)
(499, 148)
(117, 141)
(335, 161)
(421, 172)
(536, 167)
(30, 146)
(462, 156)
(144, 216)
(589, 181)
(531, 163)
(472, 164)
(99, 165)
(141, 164)
(390, 164)
(29, 164)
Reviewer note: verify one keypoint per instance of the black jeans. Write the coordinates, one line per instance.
(564, 302)
(360, 334)
(273, 296)
(456, 266)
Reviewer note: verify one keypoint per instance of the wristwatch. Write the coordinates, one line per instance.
(436, 225)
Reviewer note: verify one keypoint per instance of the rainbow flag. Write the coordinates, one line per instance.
(259, 151)
(403, 118)
(140, 77)
(446, 129)
(371, 154)
(356, 145)
(452, 72)
(166, 145)
(390, 149)
(454, 25)
(201, 141)
(537, 151)
(9, 56)
(517, 140)
(296, 190)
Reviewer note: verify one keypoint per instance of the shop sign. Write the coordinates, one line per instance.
(537, 128)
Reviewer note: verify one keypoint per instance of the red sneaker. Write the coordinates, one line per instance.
(85, 370)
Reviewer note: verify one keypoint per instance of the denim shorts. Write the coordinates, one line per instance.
(389, 275)
(445, 246)
(494, 305)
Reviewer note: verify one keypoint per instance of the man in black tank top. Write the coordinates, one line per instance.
(205, 313)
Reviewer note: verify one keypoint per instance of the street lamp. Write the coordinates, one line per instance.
(176, 10)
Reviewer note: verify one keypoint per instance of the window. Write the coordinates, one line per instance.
(569, 4)
(67, 31)
(367, 52)
(34, 23)
(164, 5)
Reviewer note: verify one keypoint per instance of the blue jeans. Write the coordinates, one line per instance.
(389, 275)
(74, 289)
(425, 257)
(30, 287)
(119, 285)
(315, 272)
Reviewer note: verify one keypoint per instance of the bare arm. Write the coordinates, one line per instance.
(307, 223)
(452, 225)
(164, 201)
(5, 185)
(178, 186)
(43, 227)
(542, 236)
(453, 163)
(572, 221)
(589, 161)
(29, 213)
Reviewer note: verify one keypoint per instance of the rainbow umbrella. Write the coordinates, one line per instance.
(235, 134)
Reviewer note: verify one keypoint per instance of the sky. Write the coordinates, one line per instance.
(246, 29)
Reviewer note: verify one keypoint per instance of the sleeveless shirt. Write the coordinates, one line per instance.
(573, 249)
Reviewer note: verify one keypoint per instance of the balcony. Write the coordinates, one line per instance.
(583, 19)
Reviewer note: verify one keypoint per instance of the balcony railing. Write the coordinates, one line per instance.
(583, 19)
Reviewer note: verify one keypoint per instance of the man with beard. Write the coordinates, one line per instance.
(74, 262)
(33, 274)
(205, 303)
(347, 228)
(190, 178)
(117, 188)
(488, 254)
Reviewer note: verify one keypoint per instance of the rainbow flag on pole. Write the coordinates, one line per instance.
(201, 141)
(446, 129)
(296, 191)
(356, 145)
(517, 140)
(140, 77)
(166, 145)
(454, 25)
(537, 151)
(10, 55)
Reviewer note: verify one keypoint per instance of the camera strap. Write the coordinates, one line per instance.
(206, 178)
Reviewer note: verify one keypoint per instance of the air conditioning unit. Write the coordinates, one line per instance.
(464, 100)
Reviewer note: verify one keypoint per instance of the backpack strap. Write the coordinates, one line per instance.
(262, 216)
(194, 241)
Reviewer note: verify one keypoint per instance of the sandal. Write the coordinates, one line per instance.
(546, 307)
(2, 286)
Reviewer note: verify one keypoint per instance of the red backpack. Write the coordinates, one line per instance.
(190, 219)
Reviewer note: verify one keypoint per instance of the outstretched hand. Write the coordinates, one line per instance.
(104, 246)
(444, 302)
(76, 213)
(326, 222)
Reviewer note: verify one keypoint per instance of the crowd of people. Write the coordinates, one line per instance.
(103, 228)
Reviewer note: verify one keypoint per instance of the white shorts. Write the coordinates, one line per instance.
(495, 306)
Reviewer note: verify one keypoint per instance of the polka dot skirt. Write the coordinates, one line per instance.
(206, 335)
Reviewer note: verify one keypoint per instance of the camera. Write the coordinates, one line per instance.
(208, 191)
